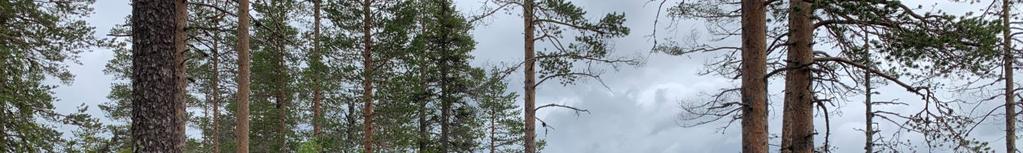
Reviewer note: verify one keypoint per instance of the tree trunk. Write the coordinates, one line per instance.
(493, 130)
(317, 90)
(180, 40)
(530, 83)
(797, 136)
(367, 77)
(424, 136)
(530, 77)
(242, 129)
(1010, 107)
(215, 86)
(280, 80)
(867, 102)
(754, 84)
(156, 92)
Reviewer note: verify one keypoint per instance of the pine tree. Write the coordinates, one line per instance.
(37, 42)
(242, 115)
(156, 94)
(754, 83)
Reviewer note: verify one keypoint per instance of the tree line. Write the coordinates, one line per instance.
(394, 75)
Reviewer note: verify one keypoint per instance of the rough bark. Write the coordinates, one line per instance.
(244, 70)
(367, 76)
(1010, 107)
(797, 123)
(530, 77)
(754, 85)
(317, 90)
(156, 92)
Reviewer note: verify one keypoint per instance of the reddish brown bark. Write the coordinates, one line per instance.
(367, 76)
(530, 77)
(180, 40)
(754, 85)
(797, 123)
(242, 130)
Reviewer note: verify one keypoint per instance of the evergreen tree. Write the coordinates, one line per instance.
(38, 40)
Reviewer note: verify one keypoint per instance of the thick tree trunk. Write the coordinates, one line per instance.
(530, 78)
(317, 90)
(215, 86)
(797, 136)
(1010, 107)
(156, 92)
(754, 85)
(367, 76)
(180, 40)
(242, 117)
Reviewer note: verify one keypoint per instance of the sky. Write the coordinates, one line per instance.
(638, 111)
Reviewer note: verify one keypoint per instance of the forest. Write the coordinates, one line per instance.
(510, 76)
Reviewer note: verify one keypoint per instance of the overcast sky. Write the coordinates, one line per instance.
(639, 113)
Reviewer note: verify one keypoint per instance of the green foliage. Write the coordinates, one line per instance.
(38, 40)
(590, 45)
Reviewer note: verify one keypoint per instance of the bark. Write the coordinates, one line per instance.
(493, 131)
(367, 77)
(869, 147)
(754, 85)
(1010, 107)
(530, 77)
(242, 130)
(156, 92)
(280, 80)
(282, 98)
(424, 136)
(180, 40)
(317, 90)
(215, 86)
(797, 136)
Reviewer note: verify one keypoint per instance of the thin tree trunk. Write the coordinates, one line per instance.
(1010, 107)
(367, 76)
(797, 136)
(530, 78)
(182, 48)
(351, 124)
(242, 129)
(867, 102)
(156, 92)
(424, 136)
(493, 131)
(281, 79)
(317, 93)
(754, 85)
(215, 86)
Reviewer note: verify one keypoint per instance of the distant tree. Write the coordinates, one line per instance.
(550, 19)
